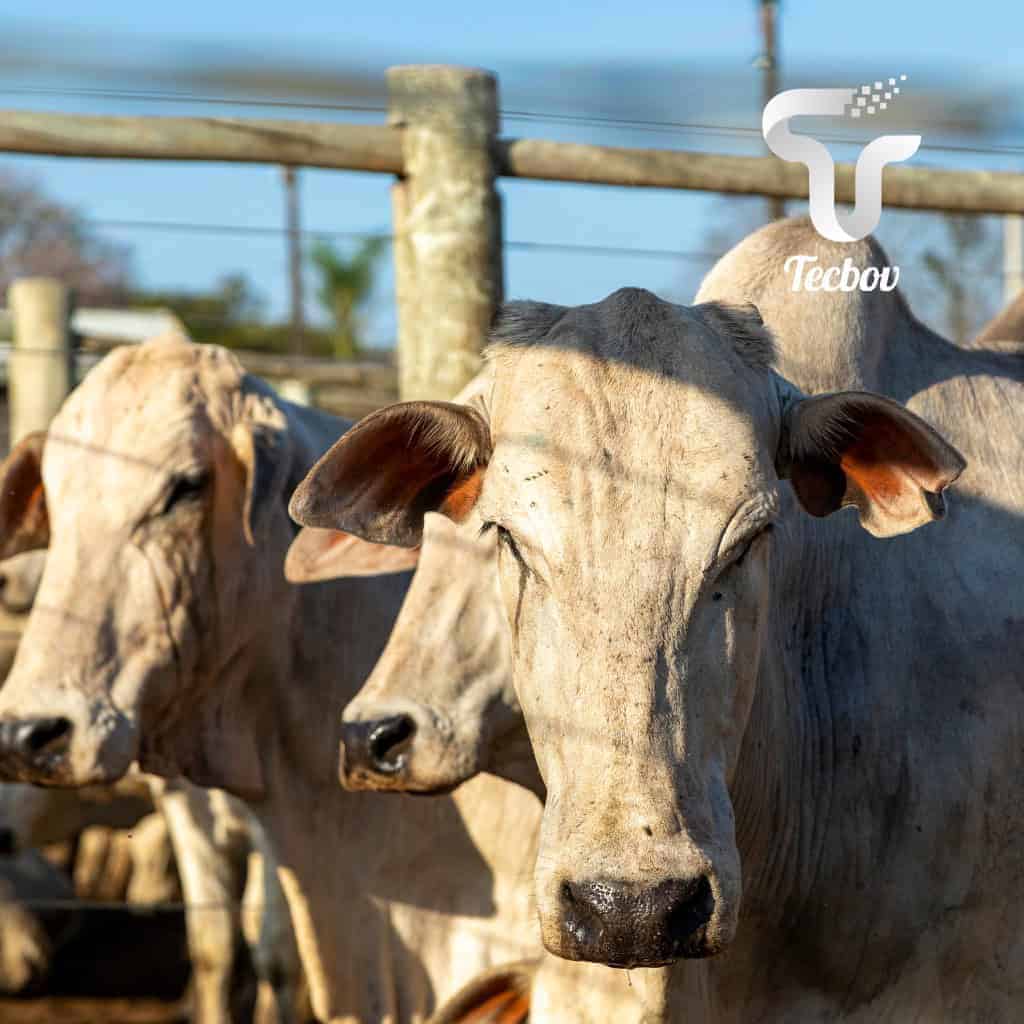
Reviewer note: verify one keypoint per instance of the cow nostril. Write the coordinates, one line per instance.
(45, 735)
(691, 910)
(7, 844)
(388, 741)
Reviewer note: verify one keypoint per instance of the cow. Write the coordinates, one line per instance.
(1005, 330)
(211, 833)
(738, 695)
(165, 633)
(439, 706)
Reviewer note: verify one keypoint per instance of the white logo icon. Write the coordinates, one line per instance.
(821, 170)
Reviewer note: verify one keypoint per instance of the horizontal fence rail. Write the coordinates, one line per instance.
(352, 147)
(379, 148)
(911, 188)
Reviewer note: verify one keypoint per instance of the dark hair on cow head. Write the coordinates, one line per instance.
(524, 322)
(742, 325)
(628, 316)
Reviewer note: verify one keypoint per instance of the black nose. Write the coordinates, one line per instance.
(29, 744)
(377, 747)
(625, 925)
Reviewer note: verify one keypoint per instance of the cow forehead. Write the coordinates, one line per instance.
(135, 419)
(696, 441)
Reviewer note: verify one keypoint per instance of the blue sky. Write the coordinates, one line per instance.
(538, 50)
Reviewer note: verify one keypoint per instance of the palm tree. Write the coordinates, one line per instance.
(345, 286)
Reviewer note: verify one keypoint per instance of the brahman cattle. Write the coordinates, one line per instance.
(164, 632)
(768, 729)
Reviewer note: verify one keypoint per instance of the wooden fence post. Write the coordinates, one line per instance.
(39, 374)
(447, 224)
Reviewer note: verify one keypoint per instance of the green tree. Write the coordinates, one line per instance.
(346, 283)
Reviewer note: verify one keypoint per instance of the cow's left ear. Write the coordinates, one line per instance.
(395, 465)
(260, 444)
(24, 517)
(858, 448)
(318, 554)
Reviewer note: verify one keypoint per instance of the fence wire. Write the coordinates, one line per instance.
(661, 127)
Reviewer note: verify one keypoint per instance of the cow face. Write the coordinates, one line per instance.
(439, 706)
(629, 464)
(145, 494)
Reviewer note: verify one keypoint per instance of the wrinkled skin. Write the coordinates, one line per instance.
(165, 632)
(134, 600)
(768, 710)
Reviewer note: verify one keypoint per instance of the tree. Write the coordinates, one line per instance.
(346, 284)
(39, 236)
(966, 277)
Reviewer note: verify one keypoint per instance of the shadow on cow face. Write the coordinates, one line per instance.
(439, 706)
(144, 497)
(629, 466)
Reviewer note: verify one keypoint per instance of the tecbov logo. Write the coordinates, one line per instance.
(886, 149)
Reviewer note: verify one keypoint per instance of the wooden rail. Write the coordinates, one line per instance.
(353, 147)
(911, 188)
(379, 148)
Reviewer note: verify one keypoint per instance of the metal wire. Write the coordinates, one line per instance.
(272, 231)
(551, 117)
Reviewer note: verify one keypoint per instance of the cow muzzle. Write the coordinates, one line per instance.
(375, 753)
(623, 924)
(404, 746)
(35, 749)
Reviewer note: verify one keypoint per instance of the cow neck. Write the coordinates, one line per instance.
(781, 789)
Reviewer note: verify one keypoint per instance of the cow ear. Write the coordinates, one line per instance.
(318, 554)
(260, 445)
(857, 448)
(394, 466)
(24, 520)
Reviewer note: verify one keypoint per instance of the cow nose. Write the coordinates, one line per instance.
(625, 925)
(27, 743)
(377, 747)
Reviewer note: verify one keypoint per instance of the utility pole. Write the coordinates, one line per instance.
(768, 62)
(1013, 256)
(291, 188)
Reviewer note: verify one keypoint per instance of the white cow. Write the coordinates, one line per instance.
(764, 733)
(216, 842)
(165, 632)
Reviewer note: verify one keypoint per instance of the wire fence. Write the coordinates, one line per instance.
(662, 127)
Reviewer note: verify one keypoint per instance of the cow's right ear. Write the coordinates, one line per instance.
(318, 554)
(24, 521)
(395, 465)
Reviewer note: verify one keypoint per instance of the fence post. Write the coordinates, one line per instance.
(39, 370)
(447, 224)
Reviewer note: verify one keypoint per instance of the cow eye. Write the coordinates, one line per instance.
(185, 488)
(505, 540)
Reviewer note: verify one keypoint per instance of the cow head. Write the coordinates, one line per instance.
(629, 464)
(439, 706)
(154, 482)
